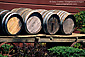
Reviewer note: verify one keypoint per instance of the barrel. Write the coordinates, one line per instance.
(67, 21)
(51, 21)
(20, 10)
(32, 20)
(11, 23)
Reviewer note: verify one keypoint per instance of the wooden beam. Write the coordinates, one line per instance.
(17, 39)
(10, 6)
(43, 35)
(43, 38)
(49, 2)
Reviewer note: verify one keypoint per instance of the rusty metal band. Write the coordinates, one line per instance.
(24, 11)
(3, 11)
(15, 10)
(19, 10)
(25, 15)
(64, 17)
(59, 13)
(44, 15)
(43, 12)
(5, 17)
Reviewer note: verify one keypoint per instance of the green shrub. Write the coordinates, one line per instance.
(6, 47)
(80, 21)
(61, 51)
(3, 56)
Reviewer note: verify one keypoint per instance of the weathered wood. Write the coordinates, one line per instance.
(62, 14)
(14, 25)
(2, 13)
(10, 6)
(40, 40)
(41, 35)
(33, 24)
(73, 35)
(31, 19)
(67, 21)
(59, 40)
(20, 10)
(50, 21)
(53, 25)
(11, 23)
(43, 38)
(14, 10)
(17, 39)
(68, 26)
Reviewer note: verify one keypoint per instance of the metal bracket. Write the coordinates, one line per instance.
(76, 39)
(51, 38)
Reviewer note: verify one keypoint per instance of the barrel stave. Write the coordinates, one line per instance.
(8, 20)
(67, 21)
(35, 25)
(49, 26)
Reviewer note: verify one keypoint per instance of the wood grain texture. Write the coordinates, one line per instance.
(20, 10)
(11, 23)
(46, 38)
(50, 22)
(10, 6)
(62, 14)
(41, 35)
(53, 25)
(14, 25)
(14, 10)
(23, 10)
(68, 26)
(33, 24)
(40, 40)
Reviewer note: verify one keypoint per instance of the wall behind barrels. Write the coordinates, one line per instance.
(66, 5)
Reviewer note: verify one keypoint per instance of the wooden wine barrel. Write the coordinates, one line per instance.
(50, 21)
(20, 10)
(67, 21)
(11, 22)
(32, 20)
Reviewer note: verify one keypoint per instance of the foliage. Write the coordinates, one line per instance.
(61, 51)
(38, 50)
(6, 47)
(77, 45)
(80, 21)
(3, 56)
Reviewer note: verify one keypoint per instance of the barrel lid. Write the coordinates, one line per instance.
(33, 25)
(16, 23)
(29, 19)
(68, 26)
(49, 19)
